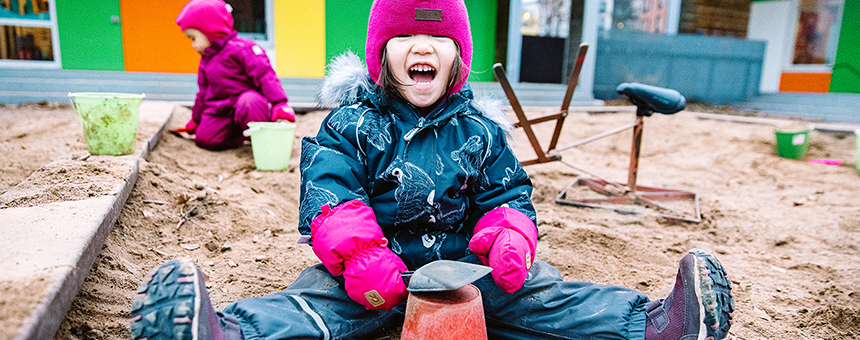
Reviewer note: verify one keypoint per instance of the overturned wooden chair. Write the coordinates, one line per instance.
(615, 196)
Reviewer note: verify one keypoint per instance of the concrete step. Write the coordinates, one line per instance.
(824, 107)
(38, 85)
(47, 249)
(20, 86)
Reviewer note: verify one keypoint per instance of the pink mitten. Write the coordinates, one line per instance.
(283, 111)
(505, 239)
(348, 241)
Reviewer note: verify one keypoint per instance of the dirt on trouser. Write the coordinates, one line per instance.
(787, 231)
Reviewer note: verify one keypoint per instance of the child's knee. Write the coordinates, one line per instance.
(251, 106)
(251, 99)
(217, 145)
(207, 144)
(216, 141)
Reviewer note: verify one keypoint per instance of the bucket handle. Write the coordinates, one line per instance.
(250, 131)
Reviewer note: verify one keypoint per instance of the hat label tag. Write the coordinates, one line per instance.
(427, 14)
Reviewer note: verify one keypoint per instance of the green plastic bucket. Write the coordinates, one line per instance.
(792, 141)
(109, 121)
(271, 143)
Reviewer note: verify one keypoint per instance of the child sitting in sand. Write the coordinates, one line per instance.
(237, 84)
(411, 169)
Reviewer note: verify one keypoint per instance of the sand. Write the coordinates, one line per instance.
(787, 231)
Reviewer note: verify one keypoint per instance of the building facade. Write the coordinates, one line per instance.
(812, 45)
(140, 35)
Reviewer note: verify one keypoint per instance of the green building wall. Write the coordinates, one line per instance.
(89, 40)
(346, 29)
(846, 68)
(482, 17)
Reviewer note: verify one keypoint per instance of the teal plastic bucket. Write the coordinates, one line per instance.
(271, 143)
(792, 141)
(109, 121)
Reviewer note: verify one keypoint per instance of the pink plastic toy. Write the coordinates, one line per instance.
(825, 161)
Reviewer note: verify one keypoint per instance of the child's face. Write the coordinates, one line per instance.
(423, 63)
(198, 40)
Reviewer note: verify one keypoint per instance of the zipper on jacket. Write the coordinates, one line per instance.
(411, 133)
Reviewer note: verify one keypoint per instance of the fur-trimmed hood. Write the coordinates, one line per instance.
(347, 82)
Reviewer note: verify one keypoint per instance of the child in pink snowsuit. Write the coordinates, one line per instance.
(237, 83)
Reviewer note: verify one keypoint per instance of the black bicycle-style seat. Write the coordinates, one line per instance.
(652, 98)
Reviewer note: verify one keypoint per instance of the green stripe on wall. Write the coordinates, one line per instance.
(482, 17)
(346, 29)
(846, 68)
(88, 38)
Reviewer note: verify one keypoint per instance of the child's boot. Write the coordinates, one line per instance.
(172, 303)
(699, 307)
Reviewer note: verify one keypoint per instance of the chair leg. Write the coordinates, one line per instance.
(518, 110)
(633, 171)
(568, 95)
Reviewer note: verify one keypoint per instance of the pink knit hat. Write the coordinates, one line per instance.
(211, 17)
(390, 18)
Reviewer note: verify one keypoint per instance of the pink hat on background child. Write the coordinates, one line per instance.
(211, 17)
(390, 18)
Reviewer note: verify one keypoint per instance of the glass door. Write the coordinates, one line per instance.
(28, 33)
(545, 27)
(818, 25)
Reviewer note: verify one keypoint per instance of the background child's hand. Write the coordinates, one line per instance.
(189, 128)
(348, 241)
(283, 111)
(505, 239)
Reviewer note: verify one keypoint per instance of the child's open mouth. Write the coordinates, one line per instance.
(422, 74)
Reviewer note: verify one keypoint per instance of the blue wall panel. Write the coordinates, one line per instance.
(708, 69)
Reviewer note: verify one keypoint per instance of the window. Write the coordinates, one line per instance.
(252, 18)
(27, 32)
(818, 24)
(653, 16)
(546, 18)
(637, 15)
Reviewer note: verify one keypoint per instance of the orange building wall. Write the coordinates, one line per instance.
(152, 42)
(804, 82)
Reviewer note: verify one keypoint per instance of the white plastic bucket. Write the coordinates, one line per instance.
(271, 143)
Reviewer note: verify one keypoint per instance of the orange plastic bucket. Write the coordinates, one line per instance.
(451, 314)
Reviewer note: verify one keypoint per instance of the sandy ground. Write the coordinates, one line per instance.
(787, 231)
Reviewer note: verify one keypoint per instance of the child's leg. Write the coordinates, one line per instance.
(172, 303)
(225, 132)
(217, 133)
(548, 307)
(251, 106)
(314, 306)
(700, 305)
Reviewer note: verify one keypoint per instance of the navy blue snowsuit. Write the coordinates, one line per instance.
(428, 179)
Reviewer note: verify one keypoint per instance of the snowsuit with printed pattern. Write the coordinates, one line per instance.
(428, 179)
(237, 85)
